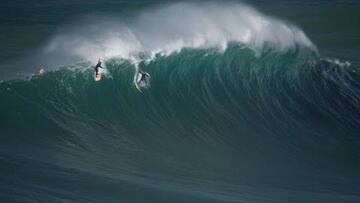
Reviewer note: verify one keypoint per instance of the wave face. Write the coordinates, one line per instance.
(239, 124)
(212, 127)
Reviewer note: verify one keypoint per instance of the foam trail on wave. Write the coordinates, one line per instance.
(170, 28)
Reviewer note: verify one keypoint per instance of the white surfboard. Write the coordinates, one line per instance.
(97, 77)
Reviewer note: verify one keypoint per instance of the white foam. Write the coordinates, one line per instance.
(170, 28)
(342, 64)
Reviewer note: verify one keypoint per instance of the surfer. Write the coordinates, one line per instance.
(41, 71)
(97, 66)
(143, 77)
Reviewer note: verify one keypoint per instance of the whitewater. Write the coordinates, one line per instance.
(171, 28)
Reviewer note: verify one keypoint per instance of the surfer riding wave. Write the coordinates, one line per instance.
(143, 76)
(97, 66)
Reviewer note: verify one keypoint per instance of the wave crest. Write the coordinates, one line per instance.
(173, 27)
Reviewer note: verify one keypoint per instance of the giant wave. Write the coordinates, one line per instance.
(261, 119)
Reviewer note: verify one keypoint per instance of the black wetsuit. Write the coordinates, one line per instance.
(143, 76)
(98, 65)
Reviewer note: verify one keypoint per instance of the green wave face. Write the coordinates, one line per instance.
(214, 123)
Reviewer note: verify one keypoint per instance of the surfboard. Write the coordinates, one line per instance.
(97, 77)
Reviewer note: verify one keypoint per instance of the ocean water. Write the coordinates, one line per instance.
(255, 101)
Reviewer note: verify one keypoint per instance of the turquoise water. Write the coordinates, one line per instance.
(247, 103)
